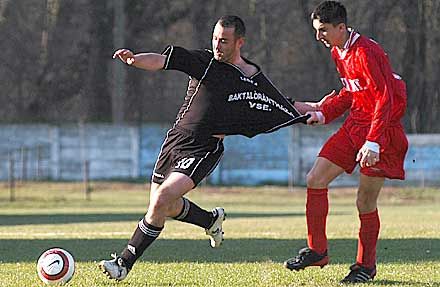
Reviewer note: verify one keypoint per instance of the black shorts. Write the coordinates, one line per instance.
(183, 152)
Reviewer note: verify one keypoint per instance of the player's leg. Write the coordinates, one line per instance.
(199, 159)
(187, 211)
(164, 202)
(365, 267)
(211, 221)
(205, 157)
(173, 176)
(322, 173)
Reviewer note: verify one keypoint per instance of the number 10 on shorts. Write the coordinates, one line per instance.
(185, 162)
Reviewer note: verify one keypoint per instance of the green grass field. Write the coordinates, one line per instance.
(264, 226)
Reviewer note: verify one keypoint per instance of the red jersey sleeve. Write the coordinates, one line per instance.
(378, 78)
(337, 105)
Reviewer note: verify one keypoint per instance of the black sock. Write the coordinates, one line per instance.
(191, 213)
(142, 237)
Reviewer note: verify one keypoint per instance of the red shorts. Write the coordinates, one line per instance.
(342, 147)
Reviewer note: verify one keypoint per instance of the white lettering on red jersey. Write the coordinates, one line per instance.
(352, 85)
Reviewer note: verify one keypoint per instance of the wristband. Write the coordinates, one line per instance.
(321, 117)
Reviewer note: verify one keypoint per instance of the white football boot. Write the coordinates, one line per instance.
(216, 230)
(114, 268)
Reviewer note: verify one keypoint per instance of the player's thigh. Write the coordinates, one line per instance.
(368, 192)
(153, 187)
(174, 187)
(341, 149)
(322, 173)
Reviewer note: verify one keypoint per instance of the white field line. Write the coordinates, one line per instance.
(52, 234)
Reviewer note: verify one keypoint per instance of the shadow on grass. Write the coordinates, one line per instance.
(399, 283)
(63, 218)
(342, 251)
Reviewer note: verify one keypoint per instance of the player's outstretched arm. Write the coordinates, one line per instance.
(146, 61)
(304, 107)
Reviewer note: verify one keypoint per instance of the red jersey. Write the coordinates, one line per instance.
(375, 95)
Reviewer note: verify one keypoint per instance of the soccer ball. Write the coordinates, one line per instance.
(55, 266)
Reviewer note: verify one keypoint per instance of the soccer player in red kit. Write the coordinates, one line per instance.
(372, 135)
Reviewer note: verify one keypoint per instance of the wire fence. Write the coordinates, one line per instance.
(25, 163)
(28, 162)
(106, 152)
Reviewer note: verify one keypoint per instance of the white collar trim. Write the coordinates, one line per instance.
(352, 38)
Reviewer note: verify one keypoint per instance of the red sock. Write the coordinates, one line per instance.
(316, 215)
(368, 234)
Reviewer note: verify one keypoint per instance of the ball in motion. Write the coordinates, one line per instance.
(55, 266)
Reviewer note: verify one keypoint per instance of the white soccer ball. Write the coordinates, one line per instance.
(55, 266)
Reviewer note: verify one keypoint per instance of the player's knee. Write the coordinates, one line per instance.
(360, 203)
(314, 180)
(161, 200)
(365, 204)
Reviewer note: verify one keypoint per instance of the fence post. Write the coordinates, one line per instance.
(39, 158)
(290, 164)
(135, 150)
(55, 156)
(23, 164)
(11, 178)
(294, 157)
(87, 188)
(220, 173)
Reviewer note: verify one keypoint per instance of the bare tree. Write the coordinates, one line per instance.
(56, 61)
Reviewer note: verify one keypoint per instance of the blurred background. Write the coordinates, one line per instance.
(67, 108)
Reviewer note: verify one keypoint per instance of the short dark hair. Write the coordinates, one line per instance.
(330, 12)
(232, 21)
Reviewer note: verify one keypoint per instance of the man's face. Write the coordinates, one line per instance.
(224, 44)
(330, 35)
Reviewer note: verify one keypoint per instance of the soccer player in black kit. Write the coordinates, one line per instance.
(227, 95)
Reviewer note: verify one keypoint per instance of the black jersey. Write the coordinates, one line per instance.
(222, 100)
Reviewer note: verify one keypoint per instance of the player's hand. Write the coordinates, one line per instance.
(316, 118)
(367, 157)
(125, 56)
(325, 98)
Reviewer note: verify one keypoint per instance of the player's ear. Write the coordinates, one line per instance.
(342, 27)
(240, 42)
